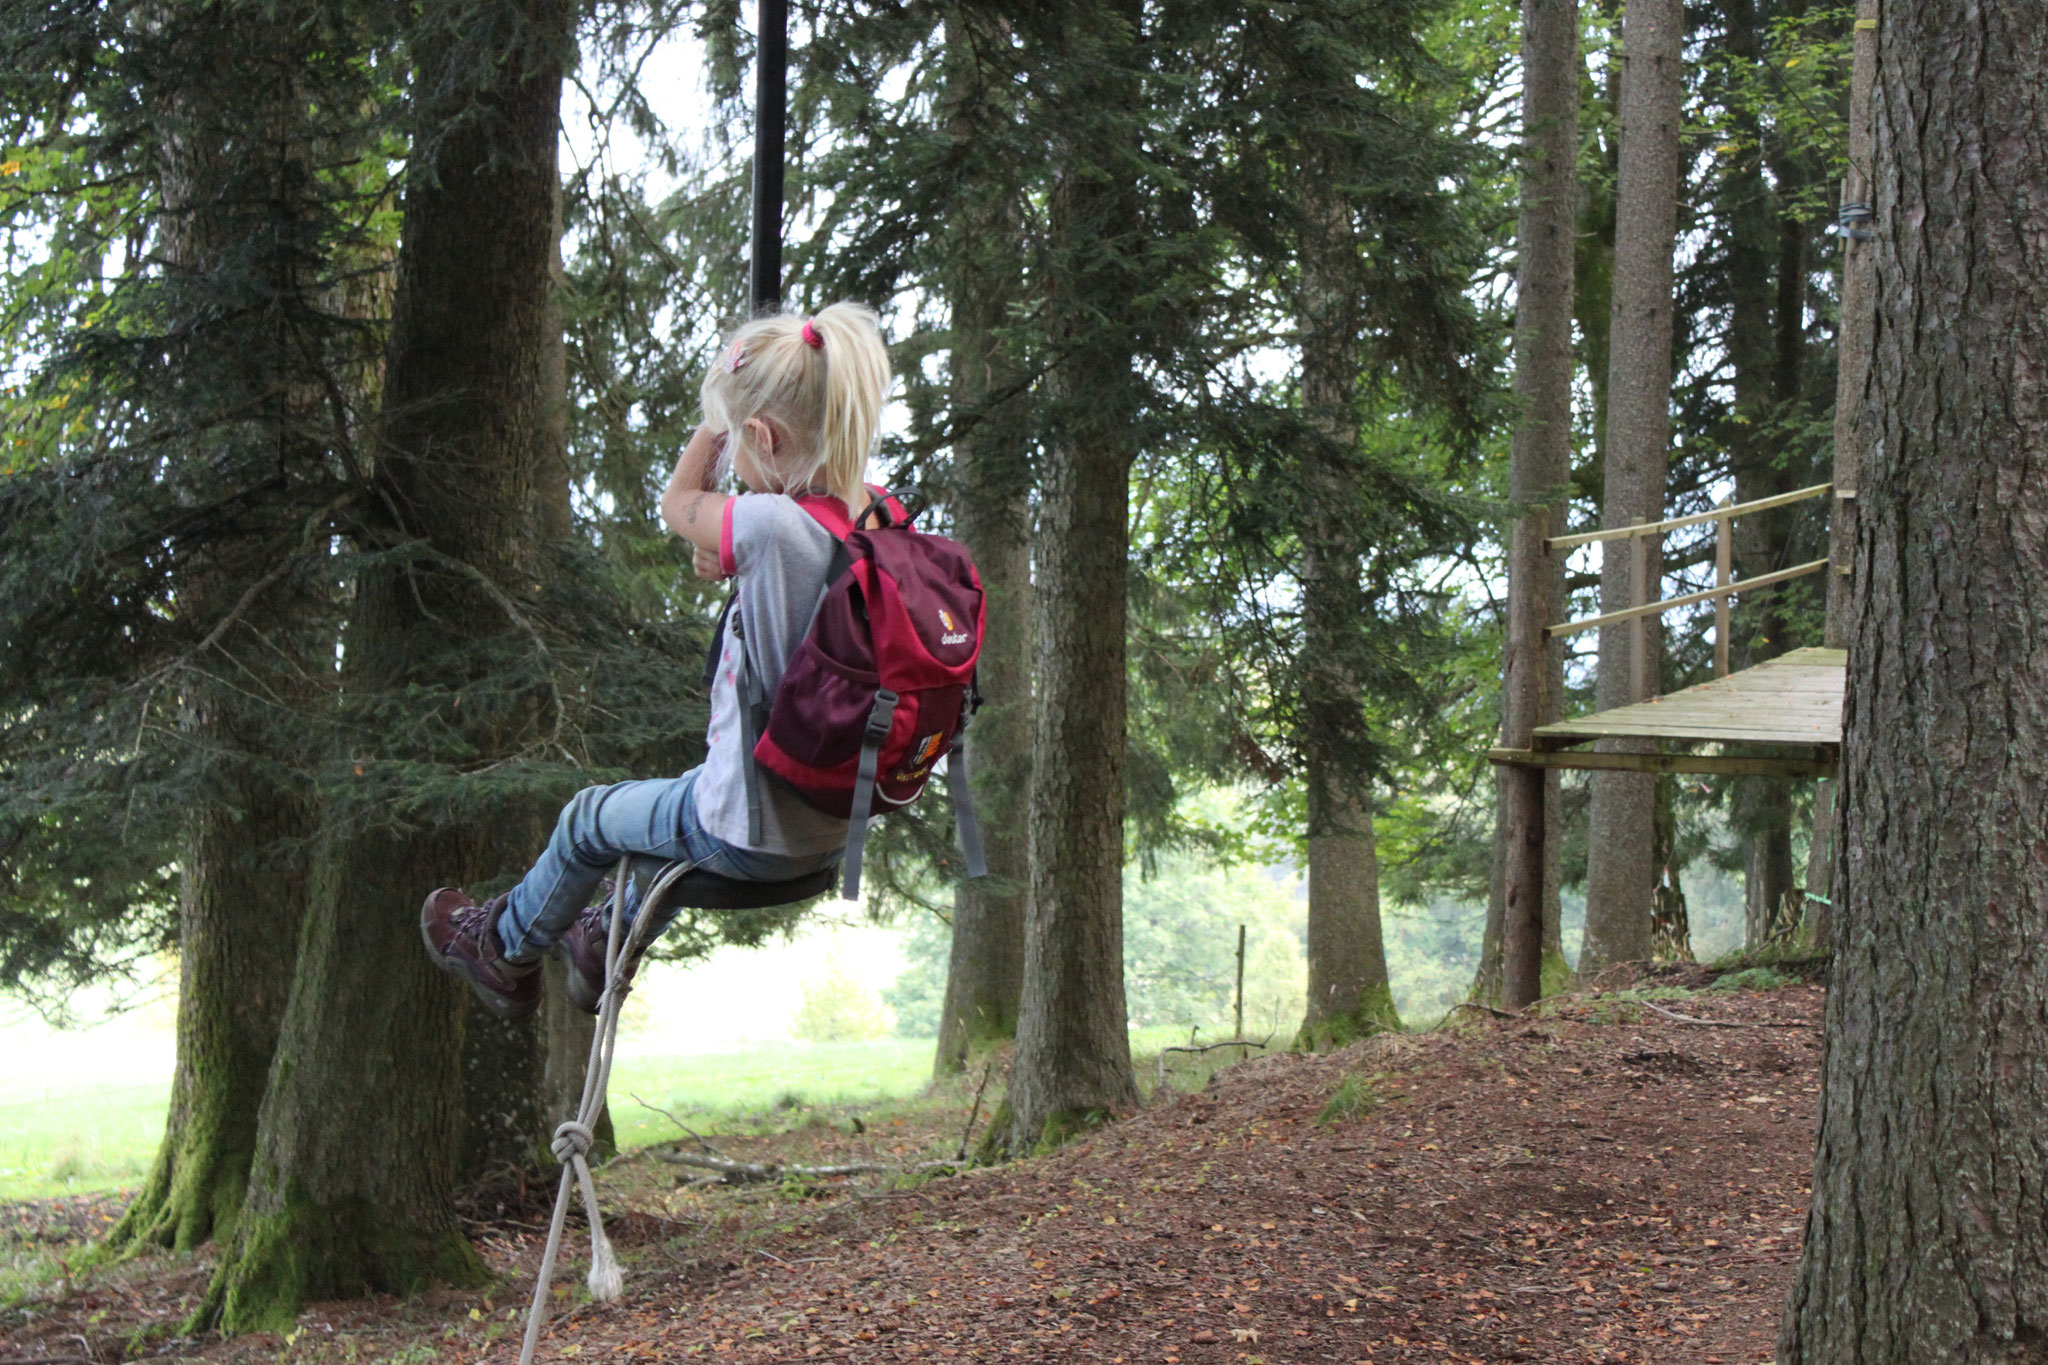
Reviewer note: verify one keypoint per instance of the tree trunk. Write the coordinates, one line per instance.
(504, 1069)
(1073, 1061)
(243, 887)
(1539, 470)
(1670, 920)
(355, 1166)
(1854, 334)
(511, 1075)
(1620, 872)
(985, 974)
(1592, 277)
(243, 873)
(568, 1032)
(1927, 1235)
(1349, 995)
(1759, 458)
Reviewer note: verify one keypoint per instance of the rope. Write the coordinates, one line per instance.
(573, 1139)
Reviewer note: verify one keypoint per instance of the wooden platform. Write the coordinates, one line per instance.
(1787, 715)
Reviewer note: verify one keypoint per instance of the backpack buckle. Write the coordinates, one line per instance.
(880, 716)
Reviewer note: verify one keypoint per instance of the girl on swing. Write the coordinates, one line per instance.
(794, 404)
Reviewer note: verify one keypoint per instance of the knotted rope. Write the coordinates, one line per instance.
(573, 1138)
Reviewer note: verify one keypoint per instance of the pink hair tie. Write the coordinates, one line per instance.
(811, 337)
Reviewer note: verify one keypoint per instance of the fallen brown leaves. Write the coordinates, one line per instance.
(1605, 1184)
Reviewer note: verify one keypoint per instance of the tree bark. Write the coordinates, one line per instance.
(1927, 1235)
(1539, 469)
(1073, 1061)
(352, 1184)
(1620, 872)
(985, 973)
(512, 1077)
(1760, 458)
(1349, 995)
(1670, 920)
(1853, 337)
(230, 201)
(243, 887)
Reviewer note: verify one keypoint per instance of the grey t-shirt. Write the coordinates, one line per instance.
(780, 555)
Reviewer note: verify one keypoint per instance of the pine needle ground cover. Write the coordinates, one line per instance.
(1603, 1183)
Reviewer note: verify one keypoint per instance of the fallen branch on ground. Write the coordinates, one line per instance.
(754, 1172)
(1476, 1005)
(1708, 1023)
(1211, 1047)
(673, 1119)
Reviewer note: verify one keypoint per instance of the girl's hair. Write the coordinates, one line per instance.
(819, 383)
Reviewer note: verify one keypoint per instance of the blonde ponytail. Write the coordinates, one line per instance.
(820, 382)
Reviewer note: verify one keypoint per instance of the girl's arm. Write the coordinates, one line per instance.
(688, 507)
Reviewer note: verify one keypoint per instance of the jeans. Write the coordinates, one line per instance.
(599, 826)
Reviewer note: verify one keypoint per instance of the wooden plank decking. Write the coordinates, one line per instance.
(1790, 707)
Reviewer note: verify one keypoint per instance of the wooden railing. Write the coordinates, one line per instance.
(1725, 586)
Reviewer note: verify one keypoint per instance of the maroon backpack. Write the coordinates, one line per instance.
(881, 686)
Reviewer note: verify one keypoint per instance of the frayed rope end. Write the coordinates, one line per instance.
(606, 1281)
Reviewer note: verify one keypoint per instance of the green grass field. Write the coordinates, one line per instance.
(70, 1139)
(60, 1137)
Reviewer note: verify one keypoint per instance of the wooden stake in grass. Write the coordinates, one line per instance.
(1238, 1030)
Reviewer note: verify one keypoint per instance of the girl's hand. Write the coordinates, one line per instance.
(705, 562)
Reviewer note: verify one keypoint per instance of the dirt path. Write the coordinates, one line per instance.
(1606, 1184)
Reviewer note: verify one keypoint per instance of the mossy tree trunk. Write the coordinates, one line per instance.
(243, 891)
(1348, 992)
(356, 1155)
(237, 210)
(985, 973)
(1927, 1233)
(1073, 1061)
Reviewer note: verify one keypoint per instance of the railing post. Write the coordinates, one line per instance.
(1724, 568)
(1639, 595)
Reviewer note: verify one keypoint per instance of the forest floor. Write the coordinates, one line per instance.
(1598, 1181)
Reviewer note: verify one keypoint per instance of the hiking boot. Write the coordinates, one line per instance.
(462, 938)
(581, 949)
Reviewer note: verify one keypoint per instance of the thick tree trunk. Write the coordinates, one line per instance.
(1073, 1059)
(230, 200)
(1620, 871)
(504, 1069)
(511, 1074)
(1349, 995)
(356, 1152)
(1927, 1236)
(243, 888)
(1539, 469)
(985, 974)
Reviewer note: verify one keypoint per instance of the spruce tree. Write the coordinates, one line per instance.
(1622, 869)
(1925, 1233)
(357, 1147)
(990, 497)
(1072, 1067)
(209, 396)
